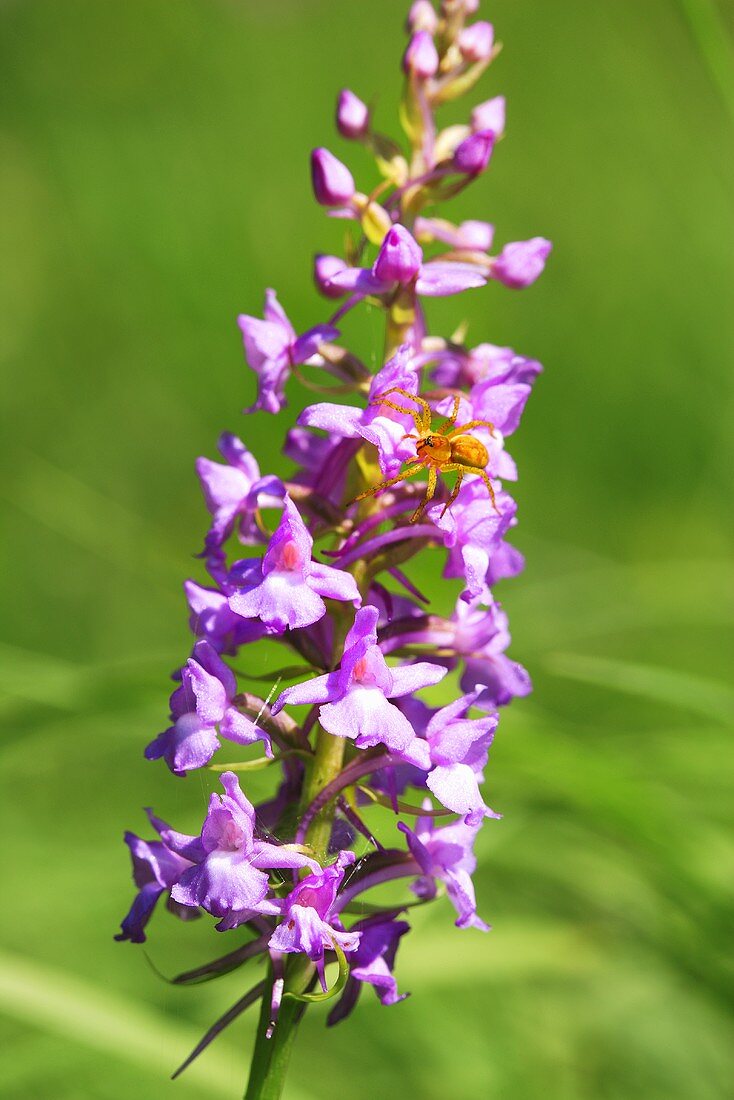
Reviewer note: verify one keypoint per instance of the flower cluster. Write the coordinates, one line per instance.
(386, 468)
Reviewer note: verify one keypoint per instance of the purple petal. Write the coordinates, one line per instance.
(133, 925)
(275, 313)
(341, 420)
(364, 714)
(335, 584)
(438, 279)
(186, 745)
(409, 678)
(266, 855)
(455, 786)
(501, 404)
(360, 280)
(310, 342)
(242, 730)
(318, 690)
(225, 881)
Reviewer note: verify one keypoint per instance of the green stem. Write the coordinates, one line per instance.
(325, 766)
(271, 1056)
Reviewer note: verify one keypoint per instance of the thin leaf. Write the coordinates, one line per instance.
(403, 807)
(231, 1014)
(223, 965)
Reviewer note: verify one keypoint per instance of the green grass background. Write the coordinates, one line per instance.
(153, 180)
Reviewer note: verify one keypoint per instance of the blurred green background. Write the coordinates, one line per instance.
(153, 180)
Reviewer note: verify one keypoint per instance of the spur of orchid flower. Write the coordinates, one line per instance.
(385, 467)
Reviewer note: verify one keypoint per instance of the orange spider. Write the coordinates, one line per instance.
(446, 448)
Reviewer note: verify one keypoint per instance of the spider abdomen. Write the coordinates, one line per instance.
(469, 451)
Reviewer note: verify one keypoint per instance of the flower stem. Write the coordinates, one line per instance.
(325, 766)
(271, 1056)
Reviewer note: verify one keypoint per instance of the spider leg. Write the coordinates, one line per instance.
(452, 419)
(473, 424)
(431, 489)
(454, 492)
(480, 473)
(417, 419)
(485, 478)
(414, 463)
(426, 415)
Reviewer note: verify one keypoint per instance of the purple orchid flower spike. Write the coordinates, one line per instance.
(155, 870)
(228, 876)
(459, 747)
(400, 263)
(355, 699)
(446, 853)
(378, 424)
(273, 349)
(284, 589)
(201, 707)
(426, 412)
(372, 964)
(309, 923)
(233, 493)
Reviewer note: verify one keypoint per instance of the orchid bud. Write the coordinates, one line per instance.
(422, 17)
(519, 264)
(324, 268)
(476, 42)
(399, 258)
(472, 156)
(352, 115)
(489, 115)
(332, 181)
(421, 57)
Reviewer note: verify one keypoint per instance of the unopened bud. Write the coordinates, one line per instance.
(476, 41)
(489, 115)
(421, 57)
(332, 181)
(400, 257)
(352, 115)
(422, 17)
(472, 156)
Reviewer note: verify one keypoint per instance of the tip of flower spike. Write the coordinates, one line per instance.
(422, 17)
